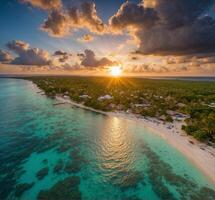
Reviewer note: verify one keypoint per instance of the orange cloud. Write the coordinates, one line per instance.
(86, 38)
(5, 56)
(45, 4)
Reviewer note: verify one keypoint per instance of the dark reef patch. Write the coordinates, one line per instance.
(73, 141)
(204, 193)
(46, 145)
(42, 173)
(161, 174)
(76, 156)
(21, 146)
(51, 141)
(45, 161)
(63, 190)
(63, 148)
(132, 198)
(21, 188)
(72, 167)
(57, 135)
(128, 179)
(131, 179)
(58, 167)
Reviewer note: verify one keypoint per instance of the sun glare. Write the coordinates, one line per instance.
(115, 71)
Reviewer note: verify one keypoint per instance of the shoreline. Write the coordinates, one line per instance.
(200, 154)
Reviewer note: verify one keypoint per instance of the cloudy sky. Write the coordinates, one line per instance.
(144, 38)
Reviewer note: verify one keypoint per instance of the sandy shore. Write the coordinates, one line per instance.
(202, 155)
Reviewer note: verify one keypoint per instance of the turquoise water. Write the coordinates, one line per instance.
(84, 155)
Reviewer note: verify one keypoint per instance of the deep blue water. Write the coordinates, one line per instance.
(60, 152)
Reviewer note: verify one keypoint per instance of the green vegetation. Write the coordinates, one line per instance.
(165, 99)
(201, 123)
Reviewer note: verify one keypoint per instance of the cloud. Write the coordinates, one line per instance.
(81, 55)
(156, 68)
(89, 60)
(163, 27)
(195, 59)
(62, 56)
(86, 38)
(18, 46)
(199, 60)
(60, 53)
(133, 16)
(57, 24)
(90, 18)
(134, 58)
(5, 56)
(61, 23)
(45, 4)
(69, 67)
(27, 55)
(146, 68)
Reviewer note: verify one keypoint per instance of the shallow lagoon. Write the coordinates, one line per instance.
(61, 152)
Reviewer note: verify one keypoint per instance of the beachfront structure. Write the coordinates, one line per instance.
(212, 105)
(85, 96)
(66, 97)
(105, 97)
(176, 115)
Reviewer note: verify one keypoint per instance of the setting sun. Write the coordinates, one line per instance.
(115, 71)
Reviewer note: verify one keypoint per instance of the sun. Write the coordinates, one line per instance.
(115, 71)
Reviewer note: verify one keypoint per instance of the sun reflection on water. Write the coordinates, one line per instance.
(116, 153)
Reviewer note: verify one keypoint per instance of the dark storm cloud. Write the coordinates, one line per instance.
(63, 22)
(134, 16)
(62, 56)
(60, 53)
(168, 27)
(5, 56)
(27, 55)
(89, 60)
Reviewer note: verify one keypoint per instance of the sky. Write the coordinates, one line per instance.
(84, 37)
